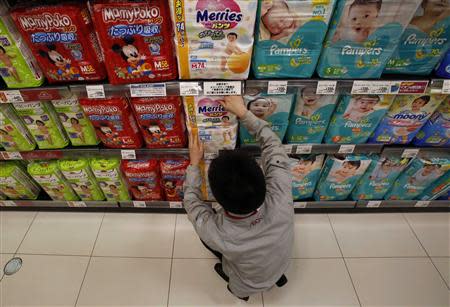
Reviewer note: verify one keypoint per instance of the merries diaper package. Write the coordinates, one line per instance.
(362, 37)
(15, 183)
(14, 136)
(436, 131)
(289, 36)
(437, 189)
(305, 174)
(424, 41)
(340, 175)
(356, 117)
(213, 38)
(272, 108)
(108, 175)
(404, 119)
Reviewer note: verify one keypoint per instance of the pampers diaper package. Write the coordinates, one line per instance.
(424, 41)
(356, 117)
(362, 37)
(340, 175)
(305, 174)
(437, 189)
(109, 178)
(404, 119)
(443, 69)
(272, 108)
(289, 36)
(436, 131)
(14, 136)
(213, 38)
(81, 178)
(15, 182)
(42, 121)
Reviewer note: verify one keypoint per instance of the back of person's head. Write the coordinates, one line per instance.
(237, 182)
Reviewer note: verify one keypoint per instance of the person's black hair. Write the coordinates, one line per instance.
(354, 163)
(367, 2)
(237, 182)
(232, 33)
(425, 98)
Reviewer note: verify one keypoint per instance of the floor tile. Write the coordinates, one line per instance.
(187, 242)
(194, 283)
(398, 282)
(44, 281)
(63, 233)
(13, 226)
(314, 237)
(126, 282)
(375, 235)
(433, 231)
(4, 258)
(443, 265)
(136, 235)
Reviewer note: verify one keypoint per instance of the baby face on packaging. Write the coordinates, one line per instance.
(362, 19)
(365, 104)
(303, 167)
(348, 169)
(434, 7)
(278, 18)
(260, 107)
(309, 96)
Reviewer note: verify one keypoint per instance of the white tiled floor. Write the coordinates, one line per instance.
(115, 259)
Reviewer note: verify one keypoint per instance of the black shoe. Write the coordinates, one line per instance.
(241, 298)
(219, 270)
(282, 281)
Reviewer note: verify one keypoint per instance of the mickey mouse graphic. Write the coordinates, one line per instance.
(156, 135)
(136, 61)
(170, 188)
(65, 69)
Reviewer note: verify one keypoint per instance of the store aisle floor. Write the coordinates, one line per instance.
(124, 259)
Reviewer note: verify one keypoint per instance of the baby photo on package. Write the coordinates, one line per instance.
(109, 177)
(14, 136)
(305, 174)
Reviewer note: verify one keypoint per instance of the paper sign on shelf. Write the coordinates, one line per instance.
(222, 88)
(326, 87)
(7, 203)
(76, 204)
(303, 149)
(300, 204)
(11, 155)
(346, 149)
(277, 87)
(13, 96)
(289, 148)
(422, 203)
(410, 152)
(446, 87)
(372, 87)
(148, 90)
(175, 204)
(374, 204)
(95, 91)
(128, 154)
(189, 89)
(139, 204)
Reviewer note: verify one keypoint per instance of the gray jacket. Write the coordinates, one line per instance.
(256, 249)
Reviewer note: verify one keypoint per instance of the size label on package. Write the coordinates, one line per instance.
(148, 90)
(222, 88)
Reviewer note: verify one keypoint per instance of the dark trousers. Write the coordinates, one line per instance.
(215, 253)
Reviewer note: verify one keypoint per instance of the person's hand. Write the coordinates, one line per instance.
(195, 150)
(235, 105)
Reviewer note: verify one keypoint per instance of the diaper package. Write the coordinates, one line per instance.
(15, 183)
(213, 38)
(340, 175)
(50, 178)
(437, 189)
(14, 136)
(3, 196)
(404, 119)
(362, 37)
(305, 174)
(274, 109)
(289, 36)
(379, 178)
(78, 127)
(310, 117)
(443, 69)
(356, 117)
(173, 173)
(143, 178)
(424, 41)
(436, 131)
(81, 178)
(109, 178)
(418, 176)
(42, 121)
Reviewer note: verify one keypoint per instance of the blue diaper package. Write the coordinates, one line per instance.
(379, 177)
(424, 41)
(289, 36)
(445, 195)
(443, 69)
(362, 37)
(340, 175)
(405, 118)
(305, 174)
(274, 109)
(310, 117)
(418, 176)
(436, 131)
(437, 189)
(356, 117)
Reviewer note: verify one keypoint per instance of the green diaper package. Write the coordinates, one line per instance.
(2, 196)
(82, 179)
(108, 175)
(14, 136)
(15, 183)
(437, 188)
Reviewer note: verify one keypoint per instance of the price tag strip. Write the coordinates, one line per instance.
(222, 88)
(277, 87)
(374, 204)
(410, 152)
(326, 87)
(374, 87)
(148, 90)
(303, 149)
(95, 91)
(346, 149)
(422, 203)
(7, 203)
(190, 89)
(11, 155)
(76, 204)
(13, 96)
(175, 204)
(128, 154)
(446, 87)
(139, 204)
(300, 204)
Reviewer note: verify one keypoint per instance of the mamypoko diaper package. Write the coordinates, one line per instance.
(404, 119)
(362, 37)
(15, 182)
(274, 109)
(213, 38)
(81, 178)
(78, 127)
(437, 188)
(305, 174)
(14, 136)
(289, 36)
(3, 196)
(173, 173)
(436, 131)
(50, 178)
(109, 178)
(42, 121)
(379, 177)
(143, 178)
(340, 175)
(356, 117)
(443, 69)
(310, 117)
(424, 41)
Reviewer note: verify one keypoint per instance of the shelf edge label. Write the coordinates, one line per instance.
(148, 90)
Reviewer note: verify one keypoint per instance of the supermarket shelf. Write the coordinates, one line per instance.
(58, 204)
(403, 204)
(324, 204)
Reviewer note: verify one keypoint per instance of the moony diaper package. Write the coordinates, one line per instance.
(173, 173)
(340, 175)
(424, 41)
(274, 109)
(305, 174)
(437, 188)
(436, 131)
(443, 69)
(213, 38)
(362, 37)
(50, 178)
(109, 178)
(143, 178)
(356, 117)
(42, 121)
(14, 136)
(82, 179)
(289, 36)
(15, 182)
(404, 119)
(379, 177)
